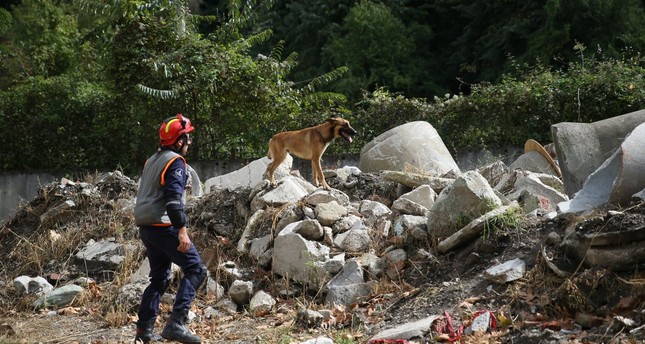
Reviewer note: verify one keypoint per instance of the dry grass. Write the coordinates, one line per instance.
(117, 316)
(33, 247)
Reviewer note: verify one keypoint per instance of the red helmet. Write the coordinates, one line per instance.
(172, 128)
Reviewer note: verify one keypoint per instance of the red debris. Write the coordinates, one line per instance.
(448, 329)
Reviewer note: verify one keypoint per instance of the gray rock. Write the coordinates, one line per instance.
(354, 240)
(295, 256)
(328, 213)
(290, 190)
(350, 293)
(59, 297)
(240, 292)
(319, 340)
(466, 199)
(261, 304)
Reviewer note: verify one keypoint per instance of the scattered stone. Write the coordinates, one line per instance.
(506, 272)
(261, 304)
(240, 292)
(59, 297)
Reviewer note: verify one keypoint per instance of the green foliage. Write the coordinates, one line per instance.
(345, 337)
(525, 106)
(147, 64)
(434, 47)
(53, 125)
(520, 107)
(505, 222)
(373, 43)
(5, 20)
(84, 84)
(42, 39)
(381, 111)
(305, 26)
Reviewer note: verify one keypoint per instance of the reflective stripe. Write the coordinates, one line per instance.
(163, 173)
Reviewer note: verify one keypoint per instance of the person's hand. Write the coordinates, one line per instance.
(184, 240)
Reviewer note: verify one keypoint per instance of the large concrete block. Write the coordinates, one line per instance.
(411, 147)
(583, 147)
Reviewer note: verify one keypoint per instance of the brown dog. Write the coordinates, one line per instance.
(309, 143)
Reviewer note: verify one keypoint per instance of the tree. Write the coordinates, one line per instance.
(42, 40)
(495, 32)
(130, 65)
(305, 27)
(374, 45)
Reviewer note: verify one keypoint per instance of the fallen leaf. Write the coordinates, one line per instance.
(553, 325)
(68, 311)
(503, 321)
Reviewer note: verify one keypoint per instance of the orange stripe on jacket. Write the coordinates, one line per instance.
(163, 173)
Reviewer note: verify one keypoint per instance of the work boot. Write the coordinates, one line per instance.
(175, 329)
(145, 332)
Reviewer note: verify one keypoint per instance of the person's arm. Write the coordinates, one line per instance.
(173, 191)
(184, 240)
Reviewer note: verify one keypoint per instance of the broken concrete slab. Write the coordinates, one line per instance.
(194, 186)
(531, 161)
(415, 179)
(616, 180)
(104, 255)
(416, 329)
(583, 147)
(248, 176)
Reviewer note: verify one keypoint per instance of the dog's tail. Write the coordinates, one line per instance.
(269, 152)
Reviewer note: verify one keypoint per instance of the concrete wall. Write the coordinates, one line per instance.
(19, 188)
(16, 188)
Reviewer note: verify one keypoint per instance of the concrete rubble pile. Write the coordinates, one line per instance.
(407, 189)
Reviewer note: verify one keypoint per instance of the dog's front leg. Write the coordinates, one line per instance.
(318, 174)
(324, 183)
(314, 173)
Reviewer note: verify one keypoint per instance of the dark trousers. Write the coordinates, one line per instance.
(161, 247)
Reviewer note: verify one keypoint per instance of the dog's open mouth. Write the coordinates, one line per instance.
(346, 135)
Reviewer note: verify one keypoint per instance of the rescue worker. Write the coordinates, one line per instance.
(160, 215)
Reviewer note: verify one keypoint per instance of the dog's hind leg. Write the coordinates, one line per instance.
(278, 157)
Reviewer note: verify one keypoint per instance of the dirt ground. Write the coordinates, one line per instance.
(559, 299)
